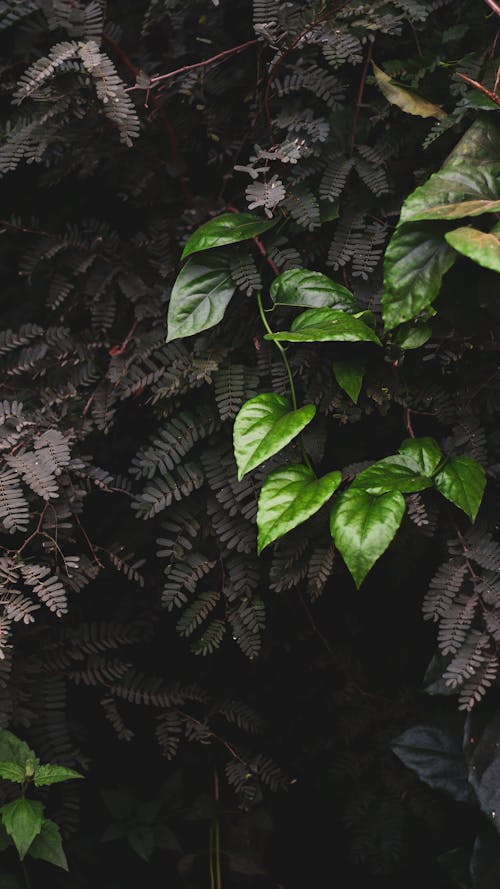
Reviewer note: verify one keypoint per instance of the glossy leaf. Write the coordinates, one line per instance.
(408, 101)
(264, 425)
(363, 525)
(481, 142)
(47, 846)
(411, 335)
(230, 228)
(481, 247)
(10, 771)
(398, 473)
(300, 287)
(48, 774)
(200, 295)
(484, 770)
(349, 376)
(425, 452)
(436, 756)
(462, 189)
(416, 259)
(22, 820)
(326, 325)
(462, 480)
(288, 497)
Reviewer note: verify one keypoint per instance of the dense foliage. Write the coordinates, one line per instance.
(329, 172)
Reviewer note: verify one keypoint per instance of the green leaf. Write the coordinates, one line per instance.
(288, 497)
(22, 820)
(481, 142)
(411, 335)
(12, 772)
(416, 259)
(481, 247)
(458, 190)
(142, 840)
(264, 425)
(349, 376)
(230, 228)
(48, 774)
(363, 525)
(404, 99)
(300, 287)
(398, 473)
(47, 846)
(12, 750)
(437, 758)
(200, 295)
(326, 325)
(425, 452)
(462, 480)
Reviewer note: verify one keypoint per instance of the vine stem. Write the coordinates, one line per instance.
(282, 351)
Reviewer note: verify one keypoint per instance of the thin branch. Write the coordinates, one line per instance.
(217, 58)
(359, 99)
(482, 89)
(493, 5)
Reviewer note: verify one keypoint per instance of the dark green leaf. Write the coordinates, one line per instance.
(230, 228)
(48, 774)
(462, 480)
(12, 772)
(22, 820)
(416, 259)
(481, 247)
(425, 451)
(349, 376)
(47, 846)
(462, 189)
(265, 425)
(200, 295)
(363, 525)
(398, 473)
(142, 840)
(300, 287)
(411, 335)
(326, 325)
(288, 497)
(481, 142)
(436, 756)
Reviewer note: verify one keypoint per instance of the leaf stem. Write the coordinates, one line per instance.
(282, 351)
(26, 878)
(217, 855)
(211, 855)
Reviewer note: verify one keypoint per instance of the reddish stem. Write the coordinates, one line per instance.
(217, 58)
(494, 6)
(482, 89)
(359, 99)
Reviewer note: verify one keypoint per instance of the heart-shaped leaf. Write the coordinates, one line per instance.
(481, 247)
(288, 497)
(425, 452)
(349, 376)
(437, 757)
(416, 259)
(264, 425)
(408, 101)
(300, 287)
(462, 480)
(230, 228)
(326, 325)
(200, 295)
(22, 820)
(398, 473)
(47, 846)
(458, 190)
(363, 525)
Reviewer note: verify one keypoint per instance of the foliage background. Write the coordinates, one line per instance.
(144, 642)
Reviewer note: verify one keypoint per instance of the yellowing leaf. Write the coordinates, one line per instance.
(404, 99)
